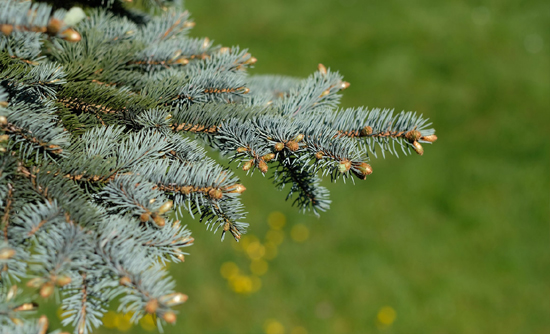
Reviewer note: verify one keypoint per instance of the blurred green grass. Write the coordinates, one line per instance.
(456, 241)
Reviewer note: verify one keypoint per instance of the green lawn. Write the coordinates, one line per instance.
(455, 241)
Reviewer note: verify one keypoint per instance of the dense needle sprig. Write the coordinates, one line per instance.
(103, 117)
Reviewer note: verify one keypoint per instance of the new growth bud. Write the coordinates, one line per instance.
(412, 136)
(366, 131)
(322, 69)
(430, 138)
(268, 157)
(166, 207)
(151, 306)
(262, 166)
(418, 148)
(344, 166)
(292, 145)
(247, 165)
(215, 193)
(279, 146)
(169, 317)
(238, 188)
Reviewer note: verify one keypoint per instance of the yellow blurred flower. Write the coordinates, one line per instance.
(272, 326)
(124, 323)
(255, 250)
(241, 284)
(276, 220)
(275, 236)
(298, 330)
(247, 240)
(229, 270)
(270, 251)
(258, 267)
(256, 283)
(386, 316)
(148, 323)
(299, 233)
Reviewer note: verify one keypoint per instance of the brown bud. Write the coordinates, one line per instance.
(344, 166)
(176, 224)
(241, 149)
(4, 104)
(166, 207)
(279, 146)
(6, 253)
(299, 137)
(251, 61)
(364, 168)
(169, 317)
(158, 219)
(262, 166)
(3, 120)
(246, 90)
(35, 282)
(6, 29)
(247, 165)
(430, 138)
(319, 155)
(54, 26)
(215, 193)
(46, 290)
(268, 157)
(26, 307)
(412, 136)
(173, 299)
(292, 145)
(181, 257)
(366, 131)
(418, 148)
(11, 293)
(181, 61)
(238, 188)
(206, 42)
(226, 227)
(224, 49)
(71, 35)
(322, 69)
(188, 24)
(63, 280)
(344, 85)
(145, 217)
(152, 306)
(43, 324)
(124, 281)
(325, 93)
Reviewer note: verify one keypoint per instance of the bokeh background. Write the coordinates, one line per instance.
(455, 241)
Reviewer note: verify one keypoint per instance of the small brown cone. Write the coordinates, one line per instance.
(366, 131)
(46, 290)
(166, 207)
(238, 188)
(152, 306)
(145, 217)
(215, 193)
(173, 299)
(322, 69)
(344, 166)
(268, 157)
(169, 317)
(124, 281)
(247, 165)
(159, 221)
(6, 253)
(63, 280)
(418, 148)
(412, 136)
(262, 166)
(430, 138)
(43, 324)
(292, 145)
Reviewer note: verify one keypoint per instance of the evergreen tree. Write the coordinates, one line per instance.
(103, 118)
